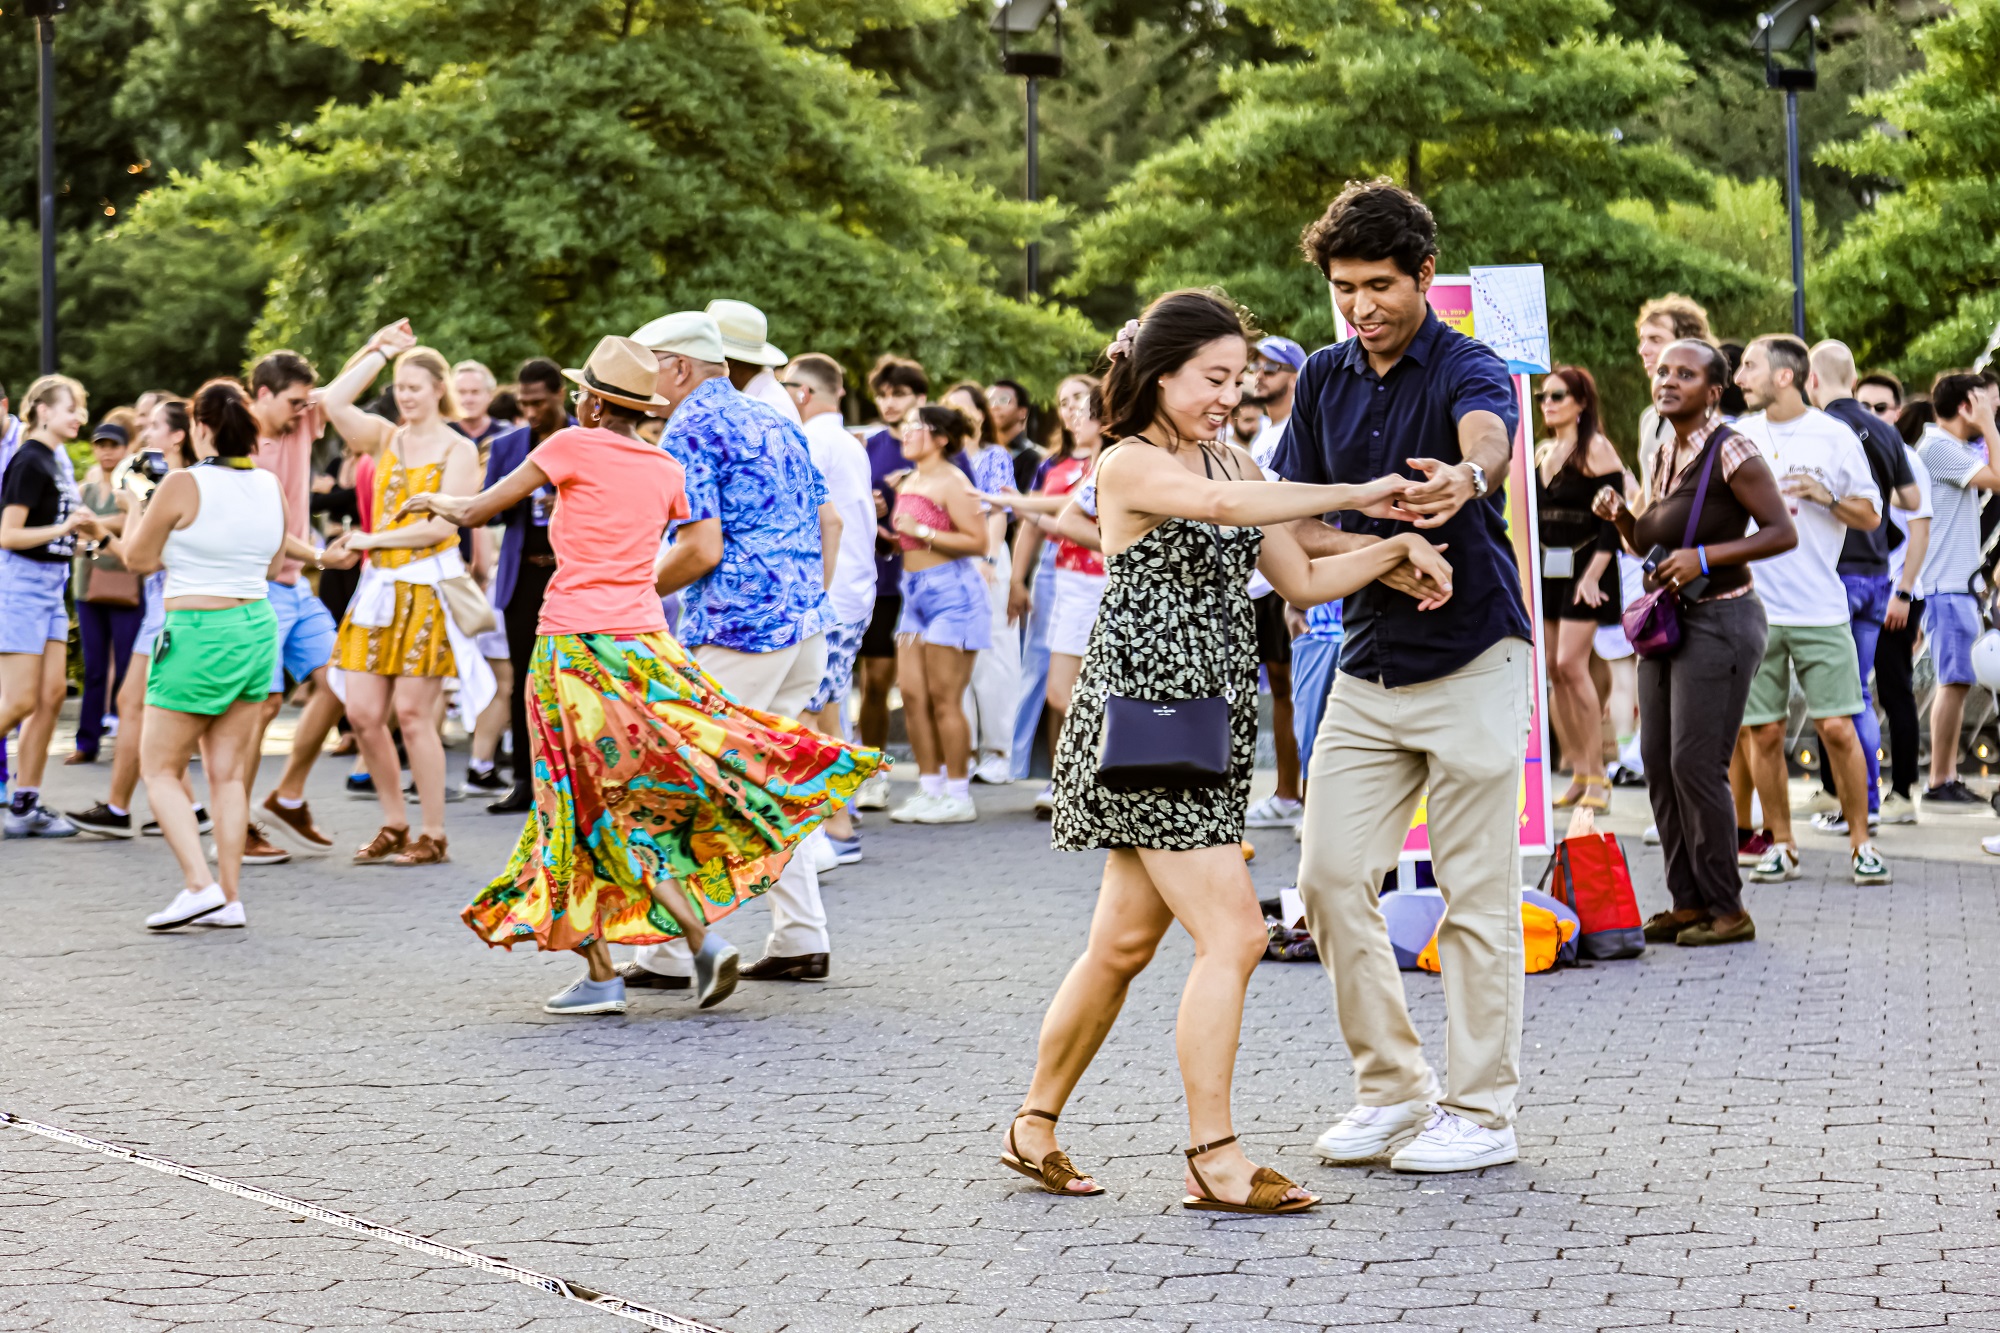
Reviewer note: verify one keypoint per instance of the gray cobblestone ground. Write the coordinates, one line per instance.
(1790, 1134)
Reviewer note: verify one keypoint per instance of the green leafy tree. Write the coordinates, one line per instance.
(1746, 222)
(550, 174)
(96, 147)
(1916, 282)
(1507, 119)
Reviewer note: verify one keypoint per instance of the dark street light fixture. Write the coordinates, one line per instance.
(44, 12)
(1014, 19)
(1778, 31)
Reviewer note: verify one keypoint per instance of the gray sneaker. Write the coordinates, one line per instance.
(584, 996)
(714, 971)
(38, 822)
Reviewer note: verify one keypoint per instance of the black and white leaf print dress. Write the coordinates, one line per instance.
(1175, 623)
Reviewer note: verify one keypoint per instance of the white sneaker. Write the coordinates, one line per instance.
(1652, 836)
(1450, 1142)
(823, 855)
(873, 794)
(187, 908)
(996, 770)
(948, 809)
(1368, 1132)
(1274, 812)
(1991, 846)
(230, 917)
(1897, 809)
(1045, 802)
(912, 810)
(1823, 802)
(1835, 822)
(38, 822)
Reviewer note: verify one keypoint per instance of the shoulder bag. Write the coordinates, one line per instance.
(464, 600)
(1653, 621)
(1177, 744)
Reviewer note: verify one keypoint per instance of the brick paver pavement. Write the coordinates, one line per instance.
(1793, 1133)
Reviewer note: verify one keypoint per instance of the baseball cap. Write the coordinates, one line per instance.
(1283, 350)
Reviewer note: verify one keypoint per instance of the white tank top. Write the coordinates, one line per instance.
(226, 551)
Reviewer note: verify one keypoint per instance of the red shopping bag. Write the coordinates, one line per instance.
(1589, 874)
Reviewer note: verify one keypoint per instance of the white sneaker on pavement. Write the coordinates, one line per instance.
(873, 794)
(1368, 1132)
(995, 770)
(1652, 835)
(187, 908)
(1450, 1142)
(948, 809)
(230, 917)
(1274, 812)
(1897, 809)
(1045, 802)
(911, 811)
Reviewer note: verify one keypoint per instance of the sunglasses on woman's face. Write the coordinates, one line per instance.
(1555, 395)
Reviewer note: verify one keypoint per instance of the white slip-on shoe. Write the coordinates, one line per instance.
(996, 770)
(229, 917)
(1450, 1142)
(1368, 1132)
(186, 908)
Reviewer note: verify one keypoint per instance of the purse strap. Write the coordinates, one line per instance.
(1708, 455)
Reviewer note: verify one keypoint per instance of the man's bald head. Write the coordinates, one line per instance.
(1833, 372)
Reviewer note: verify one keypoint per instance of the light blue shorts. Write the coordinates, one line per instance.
(843, 643)
(1951, 623)
(31, 603)
(948, 606)
(306, 632)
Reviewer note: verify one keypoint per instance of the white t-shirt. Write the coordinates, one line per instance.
(1266, 442)
(1901, 517)
(1802, 587)
(764, 387)
(844, 463)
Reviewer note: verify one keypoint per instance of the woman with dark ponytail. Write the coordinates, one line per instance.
(218, 530)
(1183, 525)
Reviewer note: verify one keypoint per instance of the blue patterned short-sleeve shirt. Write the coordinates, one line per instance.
(750, 467)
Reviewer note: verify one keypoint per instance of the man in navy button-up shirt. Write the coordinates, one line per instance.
(1433, 700)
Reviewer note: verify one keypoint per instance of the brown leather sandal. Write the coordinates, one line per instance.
(1056, 1171)
(423, 850)
(388, 842)
(1267, 1189)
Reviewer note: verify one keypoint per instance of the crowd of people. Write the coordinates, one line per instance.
(667, 597)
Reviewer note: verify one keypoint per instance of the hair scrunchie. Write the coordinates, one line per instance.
(1122, 344)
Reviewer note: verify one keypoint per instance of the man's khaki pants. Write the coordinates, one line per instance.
(1463, 735)
(780, 682)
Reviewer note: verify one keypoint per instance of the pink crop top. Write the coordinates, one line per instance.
(923, 510)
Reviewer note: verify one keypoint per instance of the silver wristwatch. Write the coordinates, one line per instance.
(1478, 480)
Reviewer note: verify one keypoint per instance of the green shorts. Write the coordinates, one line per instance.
(207, 660)
(1829, 674)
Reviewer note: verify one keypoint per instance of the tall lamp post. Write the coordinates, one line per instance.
(44, 12)
(1015, 20)
(1778, 31)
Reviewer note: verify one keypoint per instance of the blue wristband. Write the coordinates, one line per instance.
(1702, 551)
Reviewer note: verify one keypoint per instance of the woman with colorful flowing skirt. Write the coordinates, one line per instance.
(661, 804)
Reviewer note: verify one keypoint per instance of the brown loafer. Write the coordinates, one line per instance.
(805, 967)
(425, 851)
(259, 850)
(298, 822)
(1704, 933)
(386, 843)
(1663, 928)
(636, 977)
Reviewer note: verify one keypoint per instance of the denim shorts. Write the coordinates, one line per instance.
(1077, 597)
(31, 603)
(948, 606)
(306, 632)
(1951, 623)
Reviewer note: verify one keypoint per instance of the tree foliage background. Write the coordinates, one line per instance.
(522, 177)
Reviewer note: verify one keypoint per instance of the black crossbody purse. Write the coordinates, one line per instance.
(1178, 744)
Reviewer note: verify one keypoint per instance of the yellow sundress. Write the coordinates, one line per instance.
(414, 642)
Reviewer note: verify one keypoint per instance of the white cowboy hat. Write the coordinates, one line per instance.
(622, 371)
(745, 333)
(687, 333)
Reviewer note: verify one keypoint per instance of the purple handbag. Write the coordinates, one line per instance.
(1653, 621)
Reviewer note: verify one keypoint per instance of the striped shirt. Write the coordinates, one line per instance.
(1953, 556)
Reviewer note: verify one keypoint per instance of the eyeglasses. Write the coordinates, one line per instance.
(1554, 395)
(1881, 409)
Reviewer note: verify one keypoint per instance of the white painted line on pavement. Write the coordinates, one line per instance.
(555, 1286)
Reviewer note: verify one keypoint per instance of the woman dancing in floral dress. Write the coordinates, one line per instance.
(661, 804)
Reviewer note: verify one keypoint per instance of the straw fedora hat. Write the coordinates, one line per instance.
(745, 333)
(624, 372)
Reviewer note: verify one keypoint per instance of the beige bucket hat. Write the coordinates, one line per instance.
(622, 371)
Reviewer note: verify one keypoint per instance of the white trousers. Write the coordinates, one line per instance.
(782, 682)
(993, 696)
